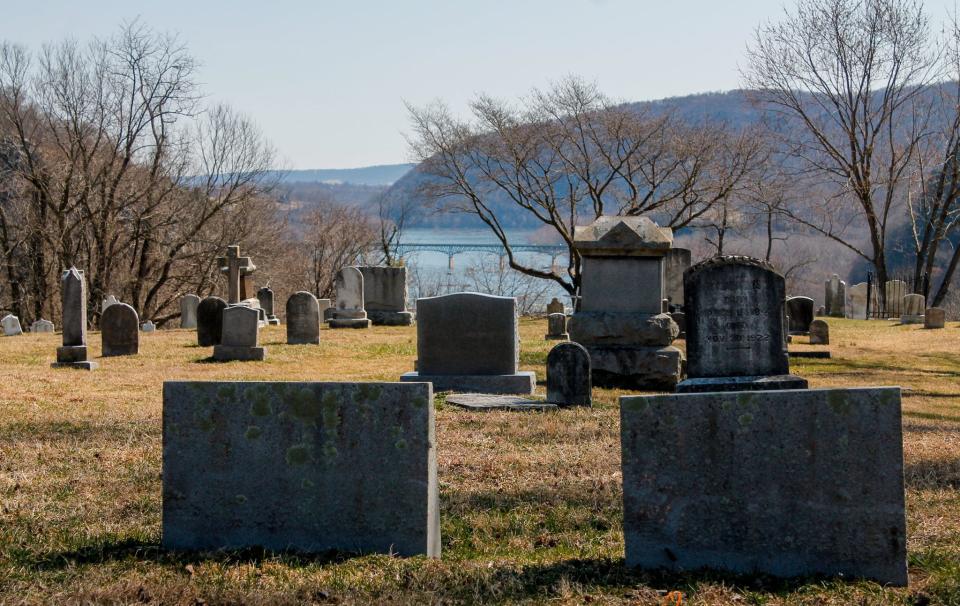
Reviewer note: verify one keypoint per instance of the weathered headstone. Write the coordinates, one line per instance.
(210, 321)
(800, 312)
(894, 291)
(675, 262)
(857, 309)
(835, 297)
(786, 483)
(73, 294)
(188, 310)
(303, 319)
(821, 311)
(620, 319)
(934, 318)
(265, 297)
(819, 333)
(556, 328)
(568, 375)
(107, 302)
(735, 327)
(349, 312)
(119, 331)
(326, 309)
(470, 342)
(148, 326)
(385, 295)
(555, 307)
(11, 325)
(42, 325)
(237, 269)
(240, 335)
(311, 467)
(912, 309)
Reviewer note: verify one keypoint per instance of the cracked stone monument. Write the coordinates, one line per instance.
(11, 325)
(675, 262)
(349, 312)
(210, 321)
(912, 309)
(568, 376)
(934, 318)
(240, 335)
(265, 298)
(308, 467)
(73, 353)
(385, 295)
(735, 327)
(800, 313)
(835, 297)
(120, 331)
(469, 342)
(620, 319)
(556, 328)
(786, 483)
(42, 325)
(303, 319)
(188, 310)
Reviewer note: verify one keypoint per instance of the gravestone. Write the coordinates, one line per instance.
(119, 331)
(835, 297)
(895, 291)
(11, 325)
(735, 327)
(620, 319)
(786, 483)
(556, 328)
(148, 326)
(857, 308)
(821, 311)
(349, 312)
(675, 262)
(238, 271)
(188, 310)
(310, 467)
(800, 312)
(484, 402)
(912, 309)
(326, 309)
(210, 321)
(73, 296)
(107, 302)
(469, 342)
(265, 297)
(42, 325)
(568, 375)
(555, 307)
(303, 319)
(240, 335)
(385, 295)
(819, 333)
(934, 318)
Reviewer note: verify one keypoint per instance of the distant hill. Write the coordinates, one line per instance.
(384, 175)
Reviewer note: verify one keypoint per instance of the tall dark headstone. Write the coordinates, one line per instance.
(800, 312)
(676, 261)
(73, 292)
(568, 375)
(120, 330)
(303, 319)
(210, 321)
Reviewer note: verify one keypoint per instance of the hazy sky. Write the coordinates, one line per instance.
(326, 81)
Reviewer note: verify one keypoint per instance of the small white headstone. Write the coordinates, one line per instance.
(148, 326)
(11, 325)
(42, 325)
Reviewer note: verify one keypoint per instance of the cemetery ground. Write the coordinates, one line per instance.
(530, 502)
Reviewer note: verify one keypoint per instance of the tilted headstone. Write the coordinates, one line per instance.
(310, 467)
(935, 317)
(11, 325)
(148, 326)
(73, 293)
(735, 327)
(210, 321)
(835, 297)
(819, 333)
(800, 312)
(568, 376)
(119, 331)
(188, 310)
(556, 328)
(107, 302)
(240, 335)
(42, 325)
(555, 307)
(265, 296)
(676, 261)
(912, 309)
(303, 319)
(385, 295)
(894, 291)
(469, 342)
(620, 319)
(786, 483)
(349, 312)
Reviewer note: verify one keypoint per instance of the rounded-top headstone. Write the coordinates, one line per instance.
(303, 319)
(265, 297)
(349, 289)
(800, 310)
(568, 375)
(210, 321)
(120, 330)
(819, 333)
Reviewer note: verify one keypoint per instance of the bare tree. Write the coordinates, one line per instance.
(336, 236)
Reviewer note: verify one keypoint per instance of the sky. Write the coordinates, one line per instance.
(327, 81)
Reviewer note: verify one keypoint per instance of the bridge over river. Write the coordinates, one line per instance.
(452, 249)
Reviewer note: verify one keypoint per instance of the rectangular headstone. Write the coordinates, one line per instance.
(300, 466)
(788, 483)
(467, 334)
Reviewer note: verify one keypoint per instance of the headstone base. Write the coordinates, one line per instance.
(762, 383)
(911, 319)
(481, 401)
(73, 356)
(636, 367)
(523, 382)
(227, 353)
(817, 355)
(390, 318)
(560, 337)
(348, 323)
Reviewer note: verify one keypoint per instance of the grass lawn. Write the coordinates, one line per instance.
(530, 503)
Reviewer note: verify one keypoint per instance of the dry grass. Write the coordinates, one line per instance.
(530, 503)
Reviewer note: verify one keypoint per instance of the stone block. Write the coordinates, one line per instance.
(786, 483)
(348, 322)
(519, 383)
(390, 318)
(308, 467)
(610, 328)
(238, 353)
(622, 284)
(384, 289)
(74, 356)
(636, 367)
(676, 261)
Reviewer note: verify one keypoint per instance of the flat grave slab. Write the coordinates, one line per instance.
(480, 401)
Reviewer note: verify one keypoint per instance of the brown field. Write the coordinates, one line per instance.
(530, 503)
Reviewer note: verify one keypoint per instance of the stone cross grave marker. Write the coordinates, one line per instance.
(236, 268)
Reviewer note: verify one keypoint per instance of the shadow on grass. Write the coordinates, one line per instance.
(933, 474)
(933, 416)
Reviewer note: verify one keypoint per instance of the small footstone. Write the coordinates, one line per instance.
(480, 401)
